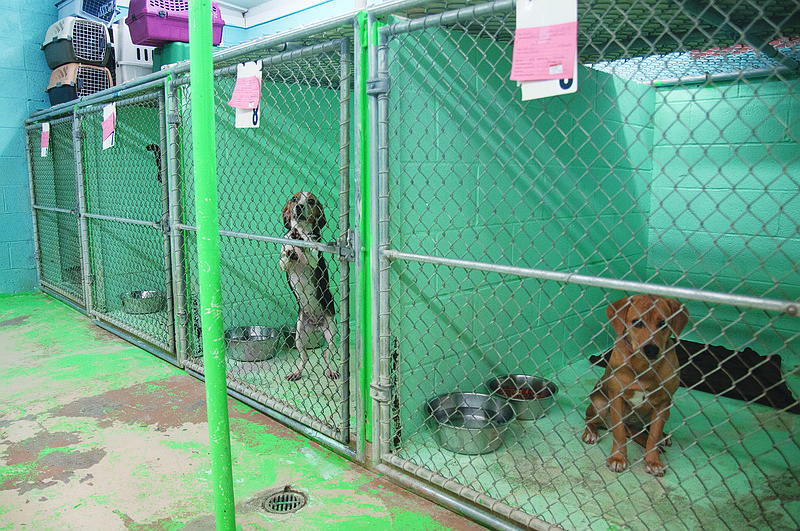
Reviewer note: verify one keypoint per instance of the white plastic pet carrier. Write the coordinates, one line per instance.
(75, 40)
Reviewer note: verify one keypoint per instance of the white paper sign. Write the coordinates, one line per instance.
(540, 13)
(246, 98)
(109, 125)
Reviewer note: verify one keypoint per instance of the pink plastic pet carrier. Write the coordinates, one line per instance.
(157, 22)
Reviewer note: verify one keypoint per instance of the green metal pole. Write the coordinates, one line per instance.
(205, 166)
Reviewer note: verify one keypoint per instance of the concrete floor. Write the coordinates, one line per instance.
(96, 433)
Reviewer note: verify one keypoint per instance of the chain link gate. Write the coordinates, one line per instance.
(301, 145)
(125, 219)
(55, 210)
(508, 228)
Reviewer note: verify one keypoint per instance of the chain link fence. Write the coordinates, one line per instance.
(508, 229)
(301, 145)
(55, 208)
(126, 212)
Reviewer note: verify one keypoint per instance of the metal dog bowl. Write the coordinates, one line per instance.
(142, 302)
(468, 423)
(529, 395)
(254, 343)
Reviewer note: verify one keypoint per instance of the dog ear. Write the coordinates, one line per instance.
(680, 317)
(320, 218)
(287, 215)
(616, 313)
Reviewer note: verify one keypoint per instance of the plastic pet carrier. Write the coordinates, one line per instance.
(73, 80)
(76, 40)
(132, 60)
(157, 22)
(102, 11)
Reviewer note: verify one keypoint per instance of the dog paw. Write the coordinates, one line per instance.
(294, 376)
(616, 463)
(656, 469)
(590, 437)
(333, 375)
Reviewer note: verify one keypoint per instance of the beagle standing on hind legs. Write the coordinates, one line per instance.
(307, 274)
(634, 396)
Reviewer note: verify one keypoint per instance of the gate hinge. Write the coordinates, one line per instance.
(378, 85)
(380, 393)
(173, 118)
(164, 224)
(345, 245)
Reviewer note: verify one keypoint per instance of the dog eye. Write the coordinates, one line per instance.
(662, 323)
(637, 323)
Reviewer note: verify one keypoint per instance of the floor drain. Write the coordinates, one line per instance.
(284, 501)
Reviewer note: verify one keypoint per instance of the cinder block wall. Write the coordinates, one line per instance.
(23, 79)
(725, 206)
(559, 184)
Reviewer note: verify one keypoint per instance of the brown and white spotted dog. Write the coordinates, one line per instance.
(307, 273)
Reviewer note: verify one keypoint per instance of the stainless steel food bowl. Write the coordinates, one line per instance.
(254, 343)
(468, 423)
(524, 393)
(142, 302)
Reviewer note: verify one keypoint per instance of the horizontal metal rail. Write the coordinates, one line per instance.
(465, 14)
(324, 247)
(90, 106)
(773, 305)
(155, 224)
(54, 209)
(481, 499)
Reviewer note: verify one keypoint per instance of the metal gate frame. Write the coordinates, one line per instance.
(342, 250)
(139, 330)
(479, 505)
(56, 287)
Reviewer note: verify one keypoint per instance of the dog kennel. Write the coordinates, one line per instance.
(487, 236)
(54, 198)
(301, 145)
(507, 227)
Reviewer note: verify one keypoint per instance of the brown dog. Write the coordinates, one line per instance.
(634, 396)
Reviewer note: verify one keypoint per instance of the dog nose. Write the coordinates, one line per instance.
(651, 351)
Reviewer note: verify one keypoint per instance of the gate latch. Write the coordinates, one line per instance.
(345, 246)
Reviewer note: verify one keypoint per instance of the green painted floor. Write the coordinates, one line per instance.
(96, 433)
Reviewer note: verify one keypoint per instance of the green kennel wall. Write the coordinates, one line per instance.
(122, 182)
(558, 184)
(55, 188)
(725, 207)
(258, 170)
(590, 183)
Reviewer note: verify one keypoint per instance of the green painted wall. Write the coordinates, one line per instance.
(559, 184)
(58, 231)
(725, 208)
(295, 148)
(122, 182)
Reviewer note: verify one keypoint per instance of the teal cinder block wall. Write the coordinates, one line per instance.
(559, 184)
(725, 207)
(23, 80)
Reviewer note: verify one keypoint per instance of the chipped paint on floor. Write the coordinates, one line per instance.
(96, 433)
